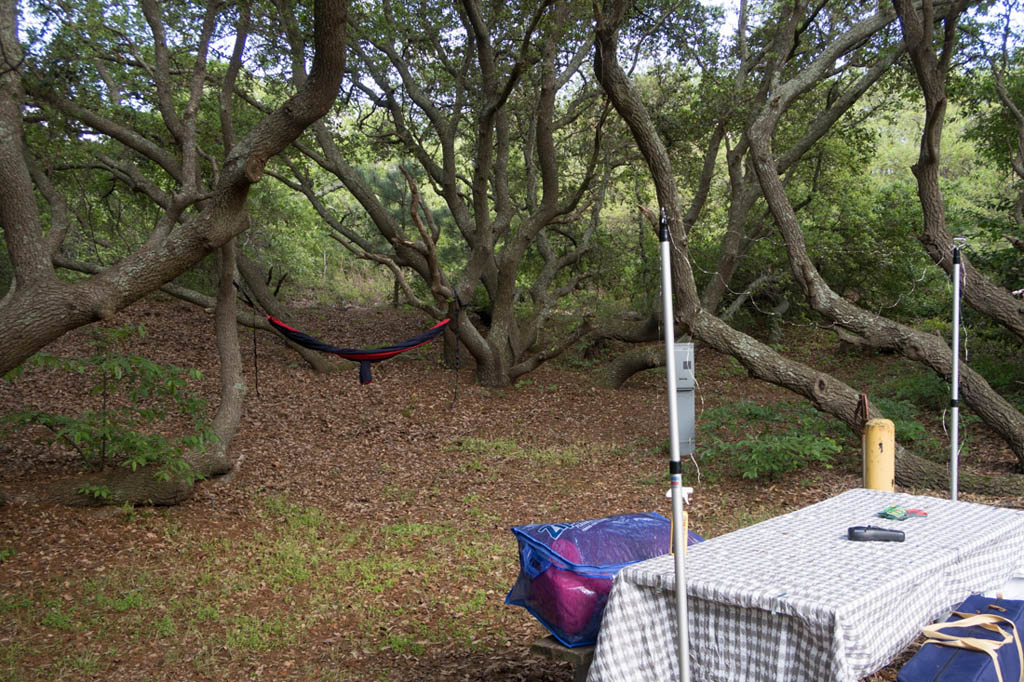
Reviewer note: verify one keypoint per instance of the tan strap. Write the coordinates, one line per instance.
(987, 621)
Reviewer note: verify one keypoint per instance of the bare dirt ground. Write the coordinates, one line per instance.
(365, 535)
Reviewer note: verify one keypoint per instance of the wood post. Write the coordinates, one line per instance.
(880, 455)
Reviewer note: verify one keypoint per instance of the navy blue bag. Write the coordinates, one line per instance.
(978, 643)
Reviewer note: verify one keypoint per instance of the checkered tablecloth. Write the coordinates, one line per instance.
(792, 599)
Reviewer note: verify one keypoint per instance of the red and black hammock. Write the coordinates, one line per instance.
(363, 356)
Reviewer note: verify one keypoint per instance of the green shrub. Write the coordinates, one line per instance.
(774, 454)
(135, 393)
(1005, 375)
(787, 437)
(927, 391)
(903, 415)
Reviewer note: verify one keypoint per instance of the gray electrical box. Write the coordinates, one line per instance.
(686, 382)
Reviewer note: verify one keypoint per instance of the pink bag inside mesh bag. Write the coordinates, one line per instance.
(565, 599)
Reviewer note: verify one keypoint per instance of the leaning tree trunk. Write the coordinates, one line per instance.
(208, 303)
(125, 486)
(619, 370)
(877, 330)
(214, 461)
(254, 277)
(932, 70)
(835, 397)
(141, 486)
(824, 391)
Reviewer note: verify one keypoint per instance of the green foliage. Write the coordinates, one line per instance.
(358, 282)
(903, 414)
(98, 492)
(773, 455)
(789, 437)
(135, 394)
(1004, 372)
(926, 390)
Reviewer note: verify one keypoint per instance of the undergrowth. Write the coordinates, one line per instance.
(762, 441)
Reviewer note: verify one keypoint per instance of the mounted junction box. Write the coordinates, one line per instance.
(686, 383)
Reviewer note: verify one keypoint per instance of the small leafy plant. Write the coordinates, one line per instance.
(135, 393)
(774, 454)
(787, 438)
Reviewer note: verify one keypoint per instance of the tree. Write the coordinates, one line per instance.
(813, 133)
(824, 391)
(485, 112)
(874, 329)
(993, 93)
(131, 87)
(38, 307)
(932, 70)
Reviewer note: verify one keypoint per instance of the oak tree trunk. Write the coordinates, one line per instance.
(39, 307)
(824, 391)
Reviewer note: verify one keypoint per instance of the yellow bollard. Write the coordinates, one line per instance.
(880, 455)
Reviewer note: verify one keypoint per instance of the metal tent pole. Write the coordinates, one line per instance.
(954, 403)
(675, 466)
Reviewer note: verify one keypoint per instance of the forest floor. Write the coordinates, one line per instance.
(365, 535)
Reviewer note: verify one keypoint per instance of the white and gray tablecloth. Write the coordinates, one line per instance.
(792, 599)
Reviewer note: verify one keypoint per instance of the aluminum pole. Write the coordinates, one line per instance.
(675, 467)
(954, 403)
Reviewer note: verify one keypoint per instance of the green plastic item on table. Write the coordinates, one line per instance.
(895, 513)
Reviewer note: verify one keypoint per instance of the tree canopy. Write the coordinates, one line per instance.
(816, 162)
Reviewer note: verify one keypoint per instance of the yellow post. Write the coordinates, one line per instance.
(880, 455)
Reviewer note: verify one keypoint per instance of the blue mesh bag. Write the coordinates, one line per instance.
(567, 569)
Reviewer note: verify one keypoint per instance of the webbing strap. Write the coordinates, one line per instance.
(987, 621)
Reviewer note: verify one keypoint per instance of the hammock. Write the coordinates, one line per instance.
(363, 356)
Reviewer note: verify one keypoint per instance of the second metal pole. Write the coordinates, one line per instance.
(675, 467)
(954, 403)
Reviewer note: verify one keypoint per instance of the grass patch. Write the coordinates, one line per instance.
(293, 515)
(214, 595)
(88, 663)
(248, 633)
(14, 603)
(56, 617)
(409, 534)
